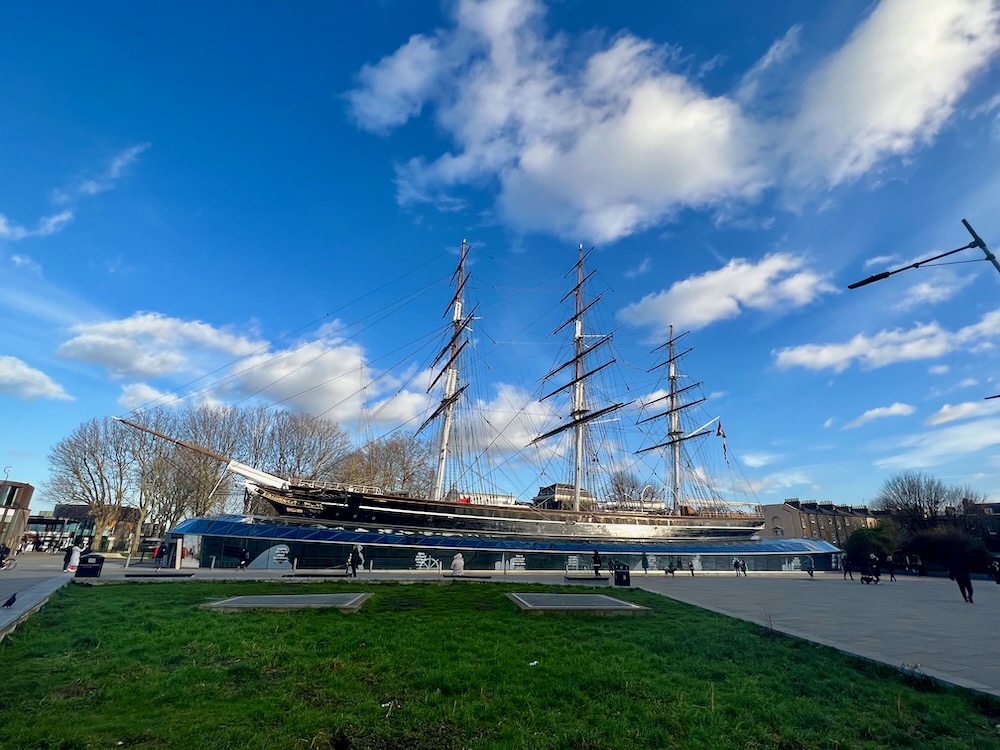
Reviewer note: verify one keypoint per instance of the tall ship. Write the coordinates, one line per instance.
(609, 495)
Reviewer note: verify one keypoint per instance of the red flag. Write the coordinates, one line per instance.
(720, 432)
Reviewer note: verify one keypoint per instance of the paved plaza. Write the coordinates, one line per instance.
(916, 623)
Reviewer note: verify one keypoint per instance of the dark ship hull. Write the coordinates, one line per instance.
(353, 510)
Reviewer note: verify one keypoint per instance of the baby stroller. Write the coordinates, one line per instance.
(871, 575)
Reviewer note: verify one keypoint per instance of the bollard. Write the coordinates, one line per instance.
(212, 566)
(295, 564)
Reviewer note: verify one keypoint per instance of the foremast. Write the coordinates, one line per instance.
(452, 392)
(580, 414)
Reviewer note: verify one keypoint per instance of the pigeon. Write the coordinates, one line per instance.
(10, 602)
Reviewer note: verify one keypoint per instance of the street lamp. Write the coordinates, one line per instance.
(977, 241)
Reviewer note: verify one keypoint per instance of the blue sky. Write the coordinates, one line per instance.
(184, 186)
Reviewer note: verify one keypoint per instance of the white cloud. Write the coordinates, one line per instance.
(150, 344)
(143, 396)
(933, 292)
(639, 270)
(966, 410)
(582, 149)
(923, 341)
(882, 261)
(891, 87)
(938, 370)
(777, 281)
(938, 446)
(756, 460)
(19, 380)
(829, 423)
(896, 410)
(105, 180)
(325, 377)
(46, 225)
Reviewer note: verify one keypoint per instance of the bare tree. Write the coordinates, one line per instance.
(93, 466)
(624, 489)
(402, 464)
(919, 502)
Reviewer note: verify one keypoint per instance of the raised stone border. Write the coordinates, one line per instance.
(536, 604)
(287, 602)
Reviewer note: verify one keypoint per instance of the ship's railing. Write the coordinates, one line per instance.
(367, 489)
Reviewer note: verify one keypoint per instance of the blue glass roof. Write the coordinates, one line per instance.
(257, 527)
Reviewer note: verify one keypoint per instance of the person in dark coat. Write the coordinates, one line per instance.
(160, 555)
(845, 565)
(67, 555)
(890, 565)
(356, 559)
(958, 571)
(597, 564)
(244, 559)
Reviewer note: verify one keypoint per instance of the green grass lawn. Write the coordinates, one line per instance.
(446, 666)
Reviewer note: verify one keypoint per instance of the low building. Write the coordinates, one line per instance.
(15, 497)
(815, 520)
(54, 530)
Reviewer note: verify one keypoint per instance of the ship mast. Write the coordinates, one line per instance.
(451, 390)
(579, 403)
(580, 415)
(675, 432)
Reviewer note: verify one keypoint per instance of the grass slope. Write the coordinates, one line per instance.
(446, 666)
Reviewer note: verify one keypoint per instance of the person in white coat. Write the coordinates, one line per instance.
(457, 564)
(74, 558)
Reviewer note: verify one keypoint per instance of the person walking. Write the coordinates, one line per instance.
(597, 564)
(691, 568)
(873, 568)
(357, 559)
(736, 566)
(244, 558)
(809, 566)
(66, 555)
(845, 565)
(159, 555)
(74, 557)
(743, 567)
(890, 566)
(958, 571)
(645, 564)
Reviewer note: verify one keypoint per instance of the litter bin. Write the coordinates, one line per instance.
(90, 566)
(622, 575)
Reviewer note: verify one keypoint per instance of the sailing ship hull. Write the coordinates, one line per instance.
(396, 513)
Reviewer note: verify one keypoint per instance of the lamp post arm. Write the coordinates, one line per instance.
(977, 241)
(887, 274)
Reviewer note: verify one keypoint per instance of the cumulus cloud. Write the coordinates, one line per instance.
(150, 344)
(583, 148)
(923, 341)
(896, 410)
(777, 281)
(19, 380)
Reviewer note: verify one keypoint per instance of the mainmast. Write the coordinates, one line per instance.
(579, 402)
(580, 415)
(674, 432)
(451, 390)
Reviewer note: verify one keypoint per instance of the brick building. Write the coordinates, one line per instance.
(798, 519)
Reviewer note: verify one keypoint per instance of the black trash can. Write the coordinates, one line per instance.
(622, 575)
(90, 566)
